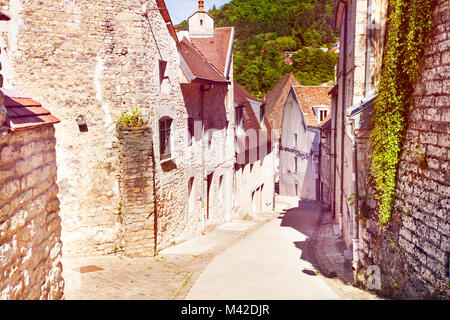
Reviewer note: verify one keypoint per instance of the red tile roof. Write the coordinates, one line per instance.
(25, 113)
(242, 97)
(310, 97)
(216, 48)
(166, 16)
(199, 67)
(276, 99)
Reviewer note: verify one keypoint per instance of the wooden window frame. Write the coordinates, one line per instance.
(165, 128)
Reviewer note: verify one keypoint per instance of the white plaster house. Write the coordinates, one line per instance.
(300, 142)
(255, 168)
(206, 60)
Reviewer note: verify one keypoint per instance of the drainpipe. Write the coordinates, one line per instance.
(333, 130)
(320, 166)
(202, 113)
(352, 135)
(368, 34)
(344, 51)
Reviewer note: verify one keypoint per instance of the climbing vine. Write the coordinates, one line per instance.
(410, 23)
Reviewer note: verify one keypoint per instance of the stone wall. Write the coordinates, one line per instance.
(95, 58)
(30, 226)
(136, 210)
(414, 252)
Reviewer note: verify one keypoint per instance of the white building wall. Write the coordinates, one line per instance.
(300, 182)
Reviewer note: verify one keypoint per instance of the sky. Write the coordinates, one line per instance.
(181, 9)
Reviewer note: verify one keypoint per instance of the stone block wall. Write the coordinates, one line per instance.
(414, 252)
(136, 185)
(30, 226)
(95, 58)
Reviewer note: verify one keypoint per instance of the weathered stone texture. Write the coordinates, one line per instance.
(95, 58)
(414, 252)
(136, 184)
(30, 226)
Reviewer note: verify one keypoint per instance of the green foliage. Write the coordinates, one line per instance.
(313, 66)
(410, 26)
(266, 29)
(133, 119)
(283, 17)
(287, 43)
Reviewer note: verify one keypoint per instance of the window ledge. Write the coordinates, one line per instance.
(171, 159)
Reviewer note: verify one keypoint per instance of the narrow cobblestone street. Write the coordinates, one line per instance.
(273, 257)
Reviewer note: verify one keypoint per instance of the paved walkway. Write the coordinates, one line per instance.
(275, 262)
(168, 276)
(272, 257)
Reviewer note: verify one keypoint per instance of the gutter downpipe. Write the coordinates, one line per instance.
(320, 167)
(353, 136)
(367, 75)
(333, 130)
(202, 112)
(341, 209)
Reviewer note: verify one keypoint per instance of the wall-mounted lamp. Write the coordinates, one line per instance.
(82, 125)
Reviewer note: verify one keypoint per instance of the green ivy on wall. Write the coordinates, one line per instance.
(410, 23)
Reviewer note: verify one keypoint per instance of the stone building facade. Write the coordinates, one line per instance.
(413, 253)
(357, 76)
(97, 60)
(30, 225)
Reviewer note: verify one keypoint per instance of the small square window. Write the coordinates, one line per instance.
(322, 115)
(190, 131)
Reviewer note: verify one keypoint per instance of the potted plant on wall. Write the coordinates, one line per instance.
(131, 120)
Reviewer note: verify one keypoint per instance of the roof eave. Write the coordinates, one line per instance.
(210, 81)
(229, 55)
(338, 13)
(362, 107)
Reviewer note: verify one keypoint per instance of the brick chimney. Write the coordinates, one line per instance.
(201, 5)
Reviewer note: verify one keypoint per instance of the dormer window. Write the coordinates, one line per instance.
(322, 115)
